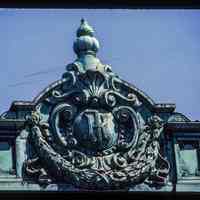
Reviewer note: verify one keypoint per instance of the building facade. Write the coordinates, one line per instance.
(91, 130)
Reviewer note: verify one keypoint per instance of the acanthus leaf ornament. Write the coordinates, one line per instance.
(94, 136)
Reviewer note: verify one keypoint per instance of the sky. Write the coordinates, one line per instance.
(156, 50)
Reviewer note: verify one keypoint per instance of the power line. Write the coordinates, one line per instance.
(23, 83)
(46, 71)
(49, 70)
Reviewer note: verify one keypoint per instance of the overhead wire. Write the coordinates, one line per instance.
(42, 72)
(47, 71)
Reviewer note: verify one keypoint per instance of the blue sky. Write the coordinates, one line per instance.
(156, 50)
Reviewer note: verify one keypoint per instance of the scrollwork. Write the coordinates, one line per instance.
(94, 138)
(115, 170)
(129, 126)
(89, 129)
(66, 113)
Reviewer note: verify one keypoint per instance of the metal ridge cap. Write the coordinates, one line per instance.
(192, 126)
(19, 104)
(164, 107)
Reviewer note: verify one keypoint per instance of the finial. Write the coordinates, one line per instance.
(82, 20)
(85, 43)
(84, 29)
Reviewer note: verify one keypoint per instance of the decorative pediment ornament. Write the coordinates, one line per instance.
(88, 130)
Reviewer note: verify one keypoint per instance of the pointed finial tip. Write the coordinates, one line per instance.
(84, 29)
(82, 20)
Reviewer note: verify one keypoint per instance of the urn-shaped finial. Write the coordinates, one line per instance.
(85, 43)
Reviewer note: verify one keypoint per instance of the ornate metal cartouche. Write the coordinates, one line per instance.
(88, 128)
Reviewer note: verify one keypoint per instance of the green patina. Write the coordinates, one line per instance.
(91, 130)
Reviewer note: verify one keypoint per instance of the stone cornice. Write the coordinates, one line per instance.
(172, 127)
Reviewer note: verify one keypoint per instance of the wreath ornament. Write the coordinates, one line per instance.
(95, 146)
(93, 135)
